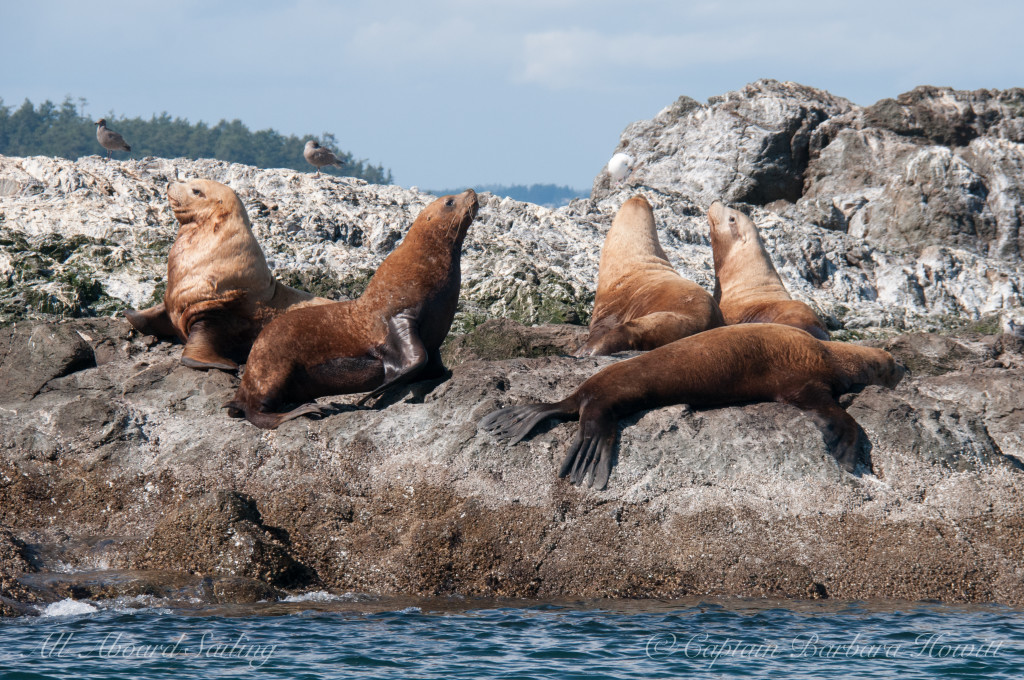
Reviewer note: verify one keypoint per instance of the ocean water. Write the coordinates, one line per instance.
(329, 636)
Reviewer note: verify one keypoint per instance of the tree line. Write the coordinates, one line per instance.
(550, 195)
(51, 130)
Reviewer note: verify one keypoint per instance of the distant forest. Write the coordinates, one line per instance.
(52, 130)
(550, 195)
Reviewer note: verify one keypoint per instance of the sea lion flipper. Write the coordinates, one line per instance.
(404, 354)
(843, 435)
(644, 333)
(265, 420)
(515, 422)
(201, 349)
(151, 321)
(590, 459)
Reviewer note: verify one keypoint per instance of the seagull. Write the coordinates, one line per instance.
(320, 157)
(108, 139)
(620, 166)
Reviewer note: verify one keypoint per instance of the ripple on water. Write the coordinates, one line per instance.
(327, 636)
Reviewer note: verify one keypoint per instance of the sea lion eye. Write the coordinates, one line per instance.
(450, 203)
(732, 220)
(197, 192)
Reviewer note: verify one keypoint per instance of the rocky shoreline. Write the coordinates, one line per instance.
(120, 474)
(115, 459)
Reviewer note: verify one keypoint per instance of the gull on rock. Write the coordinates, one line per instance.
(320, 157)
(620, 166)
(108, 139)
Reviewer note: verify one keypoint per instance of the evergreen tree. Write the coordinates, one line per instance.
(49, 130)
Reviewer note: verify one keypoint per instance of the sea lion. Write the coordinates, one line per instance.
(642, 302)
(220, 291)
(747, 287)
(390, 335)
(728, 365)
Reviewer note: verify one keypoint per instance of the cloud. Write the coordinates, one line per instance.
(405, 44)
(580, 58)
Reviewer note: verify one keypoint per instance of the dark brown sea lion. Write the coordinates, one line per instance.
(728, 365)
(747, 287)
(642, 302)
(220, 291)
(389, 335)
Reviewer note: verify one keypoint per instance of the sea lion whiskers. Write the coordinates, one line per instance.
(748, 288)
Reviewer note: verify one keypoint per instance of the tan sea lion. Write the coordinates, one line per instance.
(747, 287)
(642, 302)
(391, 334)
(728, 365)
(220, 291)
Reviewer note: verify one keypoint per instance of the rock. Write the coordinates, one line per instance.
(137, 588)
(898, 223)
(505, 339)
(935, 166)
(34, 355)
(221, 533)
(409, 498)
(942, 115)
(14, 596)
(748, 146)
(89, 238)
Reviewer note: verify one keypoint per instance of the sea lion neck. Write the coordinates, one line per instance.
(632, 240)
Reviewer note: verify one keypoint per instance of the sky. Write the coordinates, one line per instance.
(461, 93)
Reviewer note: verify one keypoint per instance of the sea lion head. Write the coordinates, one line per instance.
(636, 210)
(203, 201)
(730, 228)
(449, 217)
(889, 372)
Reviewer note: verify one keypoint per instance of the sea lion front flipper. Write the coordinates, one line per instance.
(404, 354)
(201, 349)
(151, 321)
(843, 435)
(644, 333)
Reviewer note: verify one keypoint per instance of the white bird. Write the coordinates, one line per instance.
(620, 166)
(320, 157)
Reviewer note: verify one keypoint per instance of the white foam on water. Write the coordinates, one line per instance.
(68, 607)
(321, 596)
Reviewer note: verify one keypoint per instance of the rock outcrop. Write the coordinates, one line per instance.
(130, 466)
(933, 167)
(899, 223)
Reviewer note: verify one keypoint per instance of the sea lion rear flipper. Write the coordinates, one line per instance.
(201, 349)
(265, 420)
(590, 457)
(151, 321)
(515, 422)
(404, 354)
